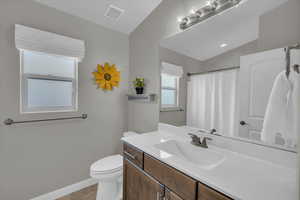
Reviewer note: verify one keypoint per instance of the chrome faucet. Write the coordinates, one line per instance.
(196, 140)
(213, 131)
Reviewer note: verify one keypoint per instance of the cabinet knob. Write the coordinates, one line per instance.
(243, 123)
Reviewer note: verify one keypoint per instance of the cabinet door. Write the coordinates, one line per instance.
(206, 193)
(169, 195)
(257, 74)
(139, 186)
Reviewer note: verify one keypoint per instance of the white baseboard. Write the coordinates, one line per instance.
(66, 190)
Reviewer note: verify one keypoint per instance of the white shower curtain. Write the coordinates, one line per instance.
(212, 101)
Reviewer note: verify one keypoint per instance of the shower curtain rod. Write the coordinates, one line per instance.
(211, 71)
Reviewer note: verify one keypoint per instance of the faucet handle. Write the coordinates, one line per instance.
(213, 131)
(205, 139)
(194, 137)
(204, 142)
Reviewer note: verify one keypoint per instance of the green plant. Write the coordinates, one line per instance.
(139, 82)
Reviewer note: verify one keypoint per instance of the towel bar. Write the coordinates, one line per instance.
(11, 121)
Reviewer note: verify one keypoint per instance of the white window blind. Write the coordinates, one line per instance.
(27, 38)
(171, 69)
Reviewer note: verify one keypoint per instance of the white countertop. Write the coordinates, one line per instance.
(239, 176)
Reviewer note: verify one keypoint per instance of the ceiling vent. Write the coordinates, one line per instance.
(113, 12)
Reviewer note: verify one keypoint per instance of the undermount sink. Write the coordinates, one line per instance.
(204, 158)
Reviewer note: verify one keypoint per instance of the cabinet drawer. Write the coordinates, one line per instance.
(206, 193)
(184, 186)
(133, 154)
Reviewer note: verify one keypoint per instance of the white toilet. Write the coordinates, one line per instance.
(109, 172)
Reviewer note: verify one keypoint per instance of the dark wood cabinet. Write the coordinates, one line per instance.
(169, 195)
(140, 186)
(183, 185)
(146, 178)
(206, 193)
(136, 156)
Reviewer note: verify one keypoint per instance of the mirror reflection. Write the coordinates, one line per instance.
(228, 81)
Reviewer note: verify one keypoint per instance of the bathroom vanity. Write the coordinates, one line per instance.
(148, 178)
(166, 166)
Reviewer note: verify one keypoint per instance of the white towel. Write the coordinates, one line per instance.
(275, 121)
(293, 110)
(295, 98)
(283, 110)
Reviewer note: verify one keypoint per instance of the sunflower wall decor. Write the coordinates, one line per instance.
(107, 76)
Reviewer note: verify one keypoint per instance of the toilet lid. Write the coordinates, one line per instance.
(108, 164)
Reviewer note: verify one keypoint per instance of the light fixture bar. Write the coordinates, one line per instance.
(212, 8)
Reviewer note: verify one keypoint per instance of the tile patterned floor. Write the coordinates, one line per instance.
(88, 193)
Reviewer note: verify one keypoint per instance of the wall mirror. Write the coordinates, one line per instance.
(222, 74)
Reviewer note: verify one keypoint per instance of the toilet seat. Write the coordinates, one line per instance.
(108, 165)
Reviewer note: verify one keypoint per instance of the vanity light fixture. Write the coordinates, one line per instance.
(212, 8)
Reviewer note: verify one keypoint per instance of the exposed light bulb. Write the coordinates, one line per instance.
(179, 19)
(192, 11)
(209, 8)
(223, 45)
(209, 3)
(237, 5)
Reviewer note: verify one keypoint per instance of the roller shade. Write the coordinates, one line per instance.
(27, 38)
(172, 70)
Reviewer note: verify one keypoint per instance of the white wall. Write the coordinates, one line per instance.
(144, 60)
(42, 157)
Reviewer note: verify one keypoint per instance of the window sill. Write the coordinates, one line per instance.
(171, 109)
(48, 111)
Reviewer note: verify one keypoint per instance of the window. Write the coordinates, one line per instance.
(48, 82)
(169, 91)
(170, 75)
(48, 70)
